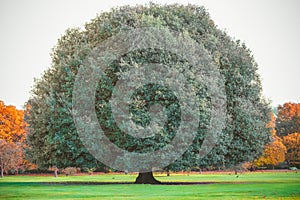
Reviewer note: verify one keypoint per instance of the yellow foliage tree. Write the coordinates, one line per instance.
(274, 152)
(292, 143)
(12, 124)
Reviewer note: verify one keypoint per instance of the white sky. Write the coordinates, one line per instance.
(29, 30)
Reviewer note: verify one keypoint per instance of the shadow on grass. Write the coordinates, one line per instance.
(129, 183)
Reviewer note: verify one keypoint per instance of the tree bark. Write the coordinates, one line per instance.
(146, 178)
(2, 167)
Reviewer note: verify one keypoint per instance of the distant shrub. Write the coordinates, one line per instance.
(69, 171)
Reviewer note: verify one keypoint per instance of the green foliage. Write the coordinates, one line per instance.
(52, 135)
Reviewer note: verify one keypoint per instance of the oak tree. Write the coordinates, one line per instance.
(54, 139)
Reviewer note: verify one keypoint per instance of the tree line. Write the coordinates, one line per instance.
(284, 129)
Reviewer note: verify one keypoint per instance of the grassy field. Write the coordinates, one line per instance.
(254, 185)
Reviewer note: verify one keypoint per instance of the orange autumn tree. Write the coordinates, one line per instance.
(12, 136)
(288, 128)
(274, 152)
(12, 124)
(292, 143)
(288, 119)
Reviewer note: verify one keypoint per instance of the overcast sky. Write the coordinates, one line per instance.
(30, 29)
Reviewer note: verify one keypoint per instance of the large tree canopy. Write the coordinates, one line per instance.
(54, 139)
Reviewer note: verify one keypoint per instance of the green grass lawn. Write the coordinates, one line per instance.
(258, 185)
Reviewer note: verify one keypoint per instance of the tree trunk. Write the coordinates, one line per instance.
(2, 173)
(235, 171)
(168, 172)
(55, 173)
(146, 178)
